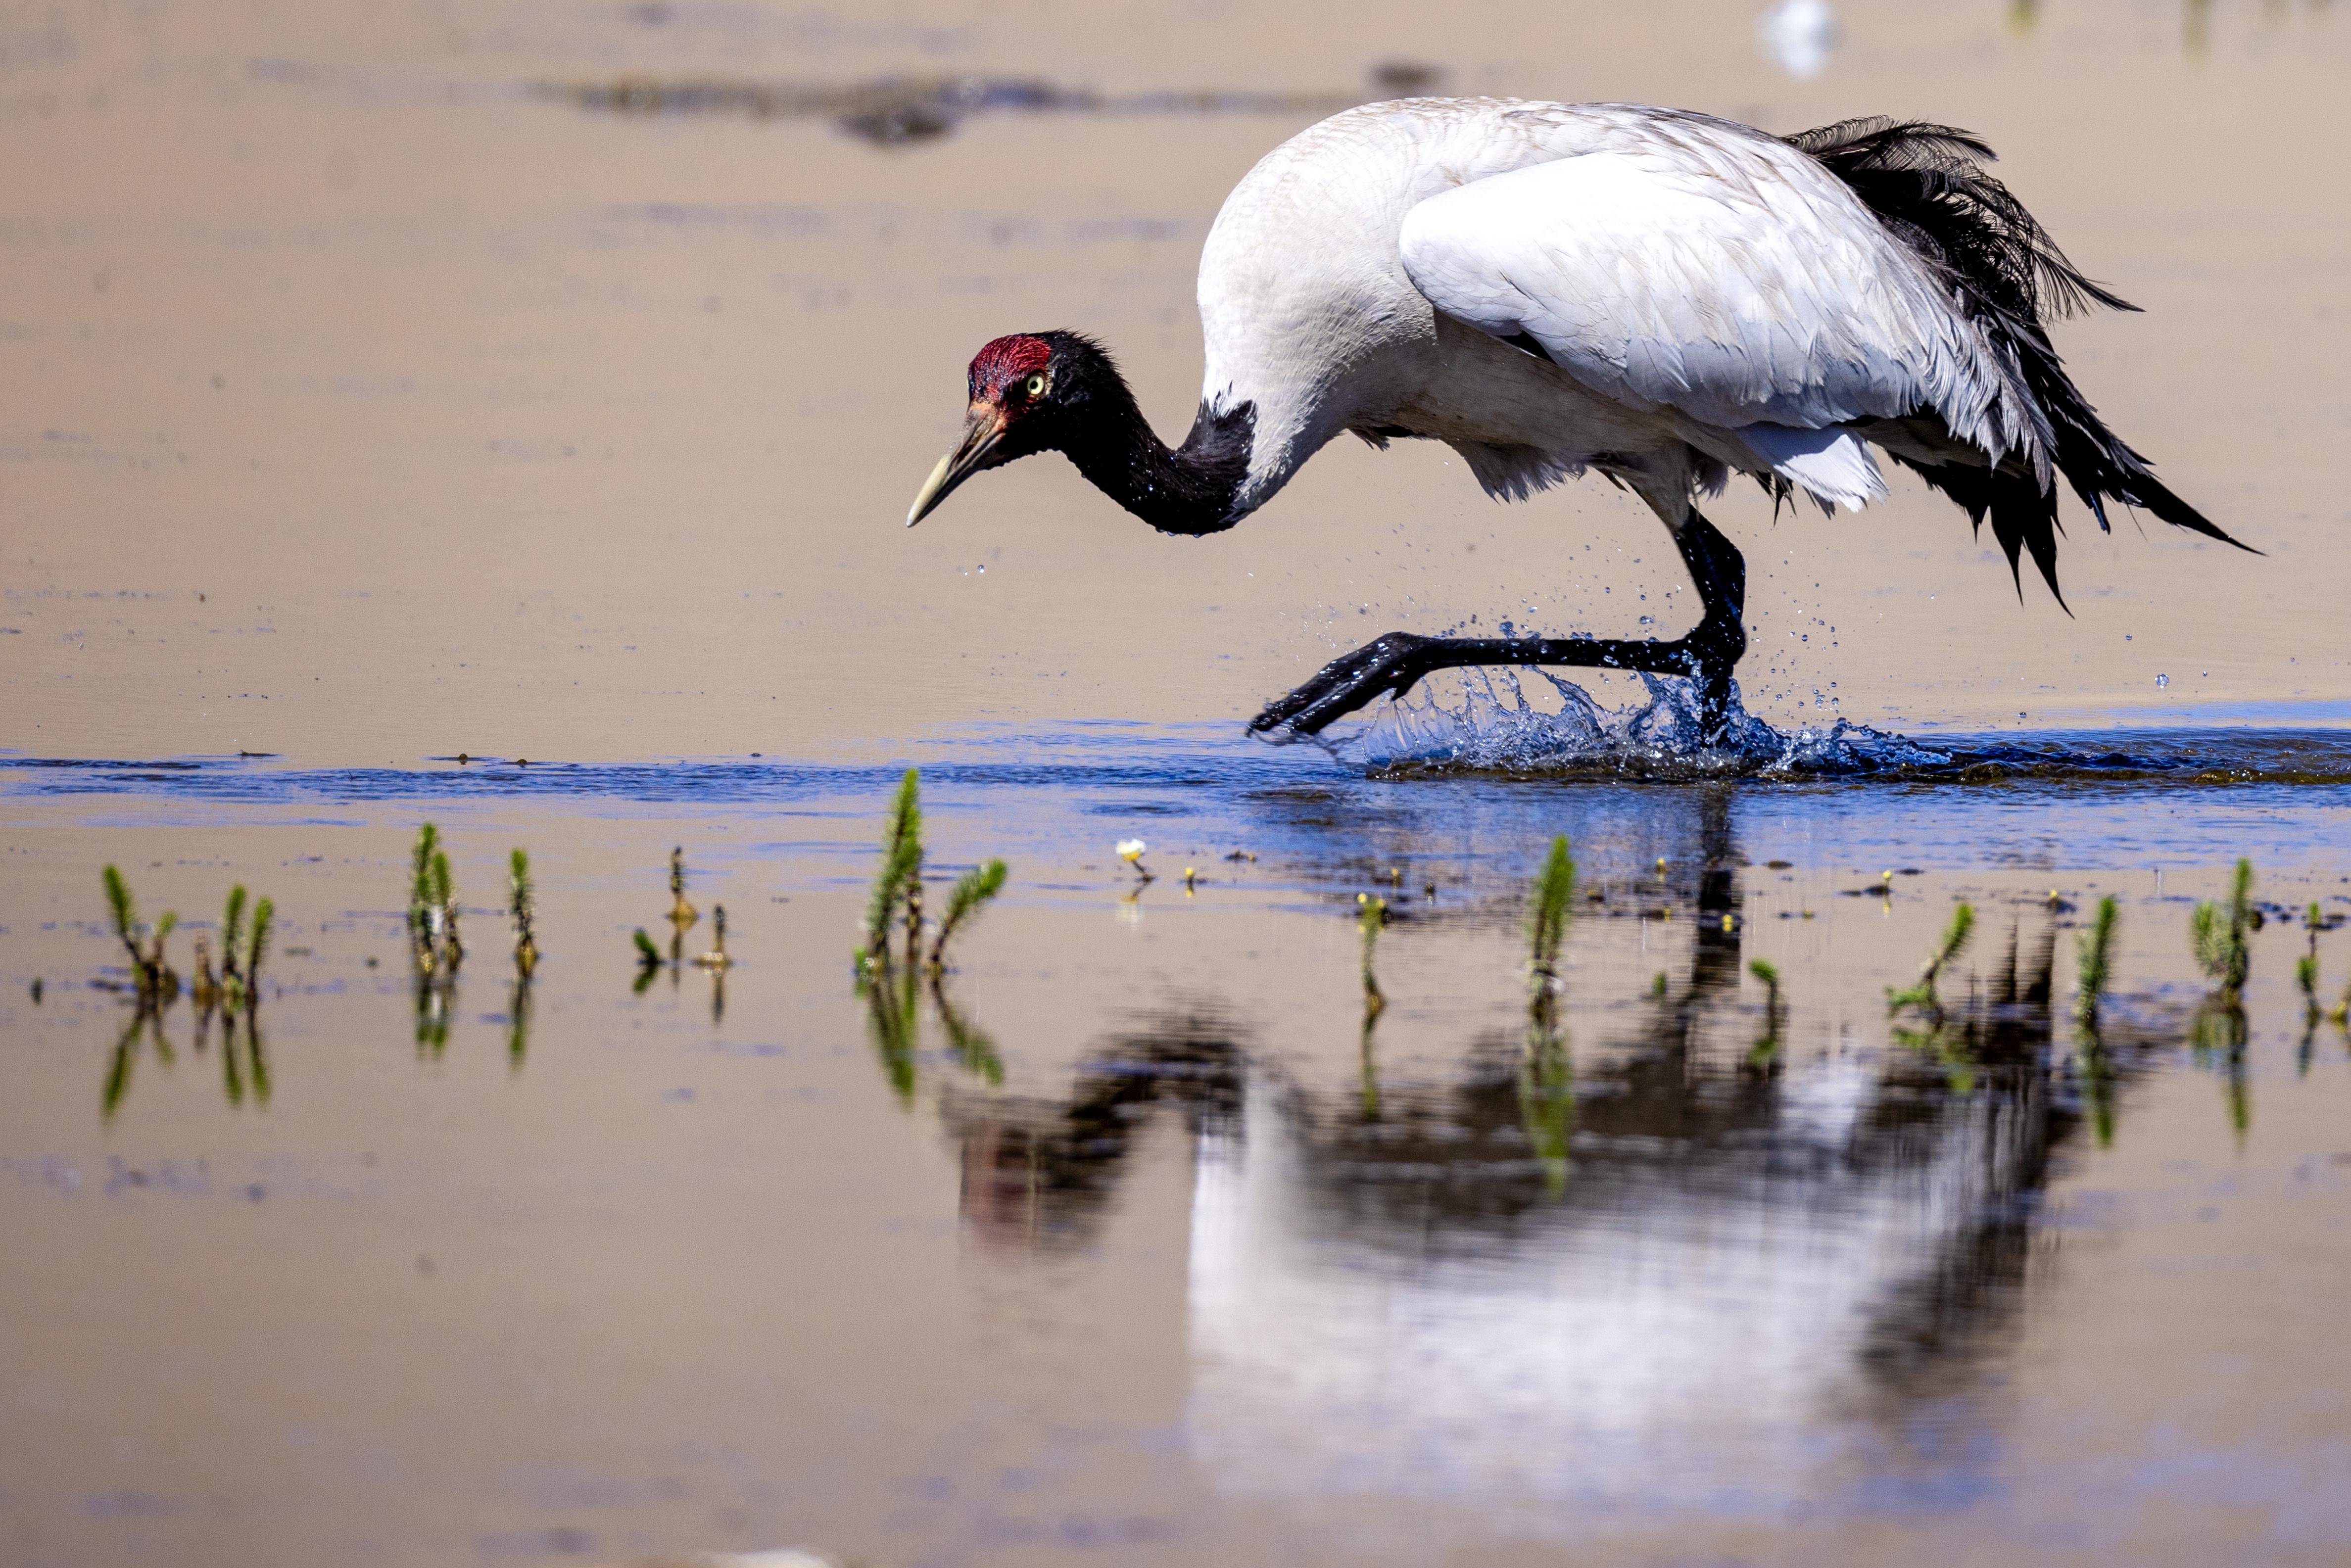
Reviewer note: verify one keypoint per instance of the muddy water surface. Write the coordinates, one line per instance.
(387, 385)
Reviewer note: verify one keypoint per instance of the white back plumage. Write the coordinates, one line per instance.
(1695, 284)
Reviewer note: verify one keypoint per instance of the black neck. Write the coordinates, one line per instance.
(1194, 489)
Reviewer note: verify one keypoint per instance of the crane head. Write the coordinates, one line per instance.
(1024, 390)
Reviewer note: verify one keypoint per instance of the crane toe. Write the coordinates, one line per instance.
(1383, 667)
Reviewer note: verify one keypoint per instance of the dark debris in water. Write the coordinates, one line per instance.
(895, 111)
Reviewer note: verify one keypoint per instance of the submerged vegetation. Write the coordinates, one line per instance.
(972, 892)
(904, 959)
(1923, 995)
(434, 947)
(716, 957)
(522, 908)
(232, 992)
(1547, 915)
(2222, 937)
(2094, 947)
(151, 972)
(891, 990)
(1764, 1055)
(1371, 916)
(681, 914)
(897, 884)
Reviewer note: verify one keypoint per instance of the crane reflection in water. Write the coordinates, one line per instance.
(1578, 1282)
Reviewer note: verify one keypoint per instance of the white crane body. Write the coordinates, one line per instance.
(1696, 287)
(1665, 296)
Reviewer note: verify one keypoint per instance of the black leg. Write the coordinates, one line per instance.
(1391, 665)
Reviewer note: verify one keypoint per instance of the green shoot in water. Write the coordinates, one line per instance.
(716, 957)
(1766, 1051)
(420, 878)
(522, 908)
(232, 938)
(972, 1047)
(204, 986)
(125, 915)
(434, 947)
(2305, 970)
(263, 913)
(680, 913)
(150, 972)
(1922, 995)
(1547, 912)
(972, 892)
(445, 894)
(1372, 915)
(2222, 935)
(2095, 950)
(899, 880)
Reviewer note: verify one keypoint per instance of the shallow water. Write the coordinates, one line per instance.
(1132, 1240)
(376, 398)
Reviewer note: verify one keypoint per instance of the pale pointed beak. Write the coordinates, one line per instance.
(979, 438)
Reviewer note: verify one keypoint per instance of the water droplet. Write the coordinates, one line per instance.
(2163, 680)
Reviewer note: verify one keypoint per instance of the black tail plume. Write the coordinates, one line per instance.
(1928, 185)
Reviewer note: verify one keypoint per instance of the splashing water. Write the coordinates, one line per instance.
(1495, 729)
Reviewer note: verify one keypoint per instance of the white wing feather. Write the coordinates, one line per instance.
(1732, 290)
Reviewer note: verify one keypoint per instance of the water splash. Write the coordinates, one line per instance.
(1494, 729)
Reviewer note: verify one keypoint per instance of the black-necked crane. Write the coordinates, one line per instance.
(1663, 297)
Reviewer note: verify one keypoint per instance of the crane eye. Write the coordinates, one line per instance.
(1036, 387)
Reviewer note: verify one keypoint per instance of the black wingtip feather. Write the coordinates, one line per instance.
(1928, 185)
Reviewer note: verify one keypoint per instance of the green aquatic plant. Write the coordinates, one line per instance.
(522, 909)
(1764, 1054)
(124, 912)
(1547, 915)
(1948, 1047)
(232, 934)
(2222, 934)
(1371, 916)
(716, 957)
(420, 881)
(445, 896)
(245, 1064)
(898, 882)
(892, 1020)
(2305, 968)
(1923, 995)
(204, 986)
(150, 973)
(434, 945)
(972, 892)
(1547, 1099)
(2218, 1034)
(146, 1022)
(431, 1017)
(2095, 948)
(265, 914)
(519, 1023)
(647, 958)
(681, 914)
(971, 1045)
